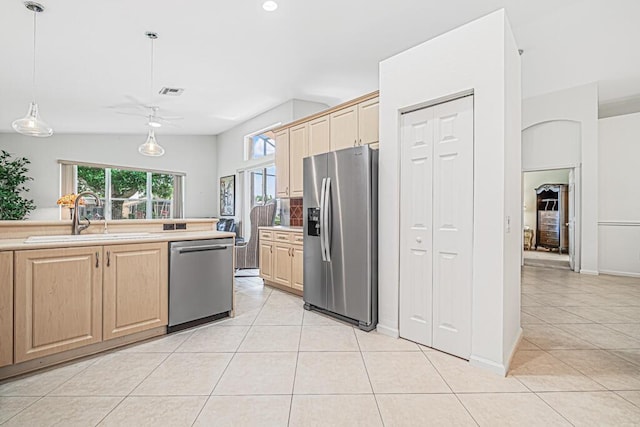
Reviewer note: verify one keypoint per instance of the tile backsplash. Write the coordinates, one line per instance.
(295, 213)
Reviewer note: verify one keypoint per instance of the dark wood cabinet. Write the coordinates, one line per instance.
(553, 217)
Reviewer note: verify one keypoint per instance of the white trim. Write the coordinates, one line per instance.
(620, 273)
(257, 164)
(551, 168)
(111, 166)
(619, 223)
(386, 330)
(488, 365)
(589, 272)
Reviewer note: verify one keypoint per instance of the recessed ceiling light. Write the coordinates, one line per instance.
(269, 5)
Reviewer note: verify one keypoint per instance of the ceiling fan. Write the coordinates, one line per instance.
(144, 109)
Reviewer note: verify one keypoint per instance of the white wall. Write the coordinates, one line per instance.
(580, 105)
(533, 180)
(193, 155)
(619, 188)
(472, 57)
(231, 143)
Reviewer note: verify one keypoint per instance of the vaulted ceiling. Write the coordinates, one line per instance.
(235, 60)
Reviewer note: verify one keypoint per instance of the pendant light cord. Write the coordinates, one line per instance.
(33, 74)
(151, 82)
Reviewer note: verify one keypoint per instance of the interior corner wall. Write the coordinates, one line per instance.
(471, 57)
(512, 197)
(231, 142)
(579, 104)
(192, 155)
(619, 210)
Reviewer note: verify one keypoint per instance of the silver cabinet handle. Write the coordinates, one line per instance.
(97, 260)
(188, 249)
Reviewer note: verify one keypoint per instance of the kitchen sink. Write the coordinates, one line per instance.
(86, 237)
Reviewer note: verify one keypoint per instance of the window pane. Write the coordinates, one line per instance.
(161, 209)
(262, 145)
(257, 192)
(257, 149)
(161, 186)
(270, 146)
(91, 179)
(127, 184)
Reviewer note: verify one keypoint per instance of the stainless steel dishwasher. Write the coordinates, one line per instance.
(200, 281)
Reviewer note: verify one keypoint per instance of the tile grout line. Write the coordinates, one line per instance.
(447, 384)
(229, 362)
(375, 398)
(295, 370)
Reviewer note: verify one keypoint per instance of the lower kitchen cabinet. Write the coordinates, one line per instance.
(135, 288)
(6, 308)
(58, 300)
(282, 259)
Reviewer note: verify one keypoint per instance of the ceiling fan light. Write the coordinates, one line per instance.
(32, 124)
(151, 146)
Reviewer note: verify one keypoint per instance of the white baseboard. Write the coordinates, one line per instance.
(385, 330)
(489, 365)
(620, 273)
(590, 272)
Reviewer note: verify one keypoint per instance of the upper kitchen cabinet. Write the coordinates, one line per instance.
(368, 122)
(319, 136)
(135, 288)
(282, 163)
(344, 128)
(298, 150)
(6, 308)
(58, 300)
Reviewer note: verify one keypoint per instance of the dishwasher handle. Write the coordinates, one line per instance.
(201, 248)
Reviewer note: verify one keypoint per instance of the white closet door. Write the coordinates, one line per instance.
(436, 226)
(453, 226)
(416, 219)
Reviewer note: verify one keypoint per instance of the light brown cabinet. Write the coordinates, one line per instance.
(135, 288)
(298, 150)
(344, 128)
(58, 300)
(368, 122)
(6, 308)
(319, 136)
(282, 163)
(281, 259)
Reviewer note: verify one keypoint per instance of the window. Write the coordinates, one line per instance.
(263, 185)
(126, 193)
(262, 145)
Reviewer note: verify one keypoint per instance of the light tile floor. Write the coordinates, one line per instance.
(275, 364)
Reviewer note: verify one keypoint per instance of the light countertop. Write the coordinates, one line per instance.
(169, 236)
(282, 228)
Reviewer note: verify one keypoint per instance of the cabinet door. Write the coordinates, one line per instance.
(58, 300)
(368, 122)
(6, 308)
(135, 288)
(297, 266)
(344, 128)
(266, 260)
(282, 163)
(282, 264)
(298, 148)
(319, 135)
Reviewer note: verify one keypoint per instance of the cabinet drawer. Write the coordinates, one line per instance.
(282, 236)
(266, 235)
(297, 238)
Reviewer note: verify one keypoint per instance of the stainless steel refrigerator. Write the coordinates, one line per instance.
(340, 235)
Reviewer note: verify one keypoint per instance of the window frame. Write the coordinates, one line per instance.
(69, 184)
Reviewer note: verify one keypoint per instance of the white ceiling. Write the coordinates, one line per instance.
(236, 60)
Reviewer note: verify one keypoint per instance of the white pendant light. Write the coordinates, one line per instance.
(151, 146)
(32, 124)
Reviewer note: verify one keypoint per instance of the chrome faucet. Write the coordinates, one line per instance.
(76, 226)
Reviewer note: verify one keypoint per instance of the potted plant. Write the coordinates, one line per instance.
(13, 205)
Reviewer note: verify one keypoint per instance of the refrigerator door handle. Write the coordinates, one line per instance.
(326, 232)
(322, 229)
